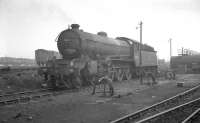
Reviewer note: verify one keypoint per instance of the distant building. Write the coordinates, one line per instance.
(186, 64)
(187, 52)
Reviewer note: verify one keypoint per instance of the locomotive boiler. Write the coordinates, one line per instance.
(85, 54)
(73, 43)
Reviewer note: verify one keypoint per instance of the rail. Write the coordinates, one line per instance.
(176, 114)
(136, 116)
(31, 95)
(193, 117)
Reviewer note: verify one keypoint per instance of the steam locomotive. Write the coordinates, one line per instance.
(85, 55)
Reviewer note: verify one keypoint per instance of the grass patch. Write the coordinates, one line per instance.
(21, 81)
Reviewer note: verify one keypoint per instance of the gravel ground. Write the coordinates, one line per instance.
(82, 107)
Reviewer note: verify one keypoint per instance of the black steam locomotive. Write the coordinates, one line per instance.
(85, 55)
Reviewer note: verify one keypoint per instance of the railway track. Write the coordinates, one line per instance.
(26, 96)
(8, 94)
(178, 114)
(161, 106)
(194, 117)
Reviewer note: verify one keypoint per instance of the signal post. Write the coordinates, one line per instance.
(140, 54)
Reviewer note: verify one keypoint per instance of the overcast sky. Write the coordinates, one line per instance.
(27, 25)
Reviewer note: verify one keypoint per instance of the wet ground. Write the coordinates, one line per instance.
(82, 107)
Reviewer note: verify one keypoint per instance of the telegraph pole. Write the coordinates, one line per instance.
(140, 55)
(170, 43)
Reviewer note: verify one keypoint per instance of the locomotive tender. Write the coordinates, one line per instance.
(42, 56)
(85, 54)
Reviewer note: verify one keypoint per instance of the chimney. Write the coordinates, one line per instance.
(75, 26)
(104, 34)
